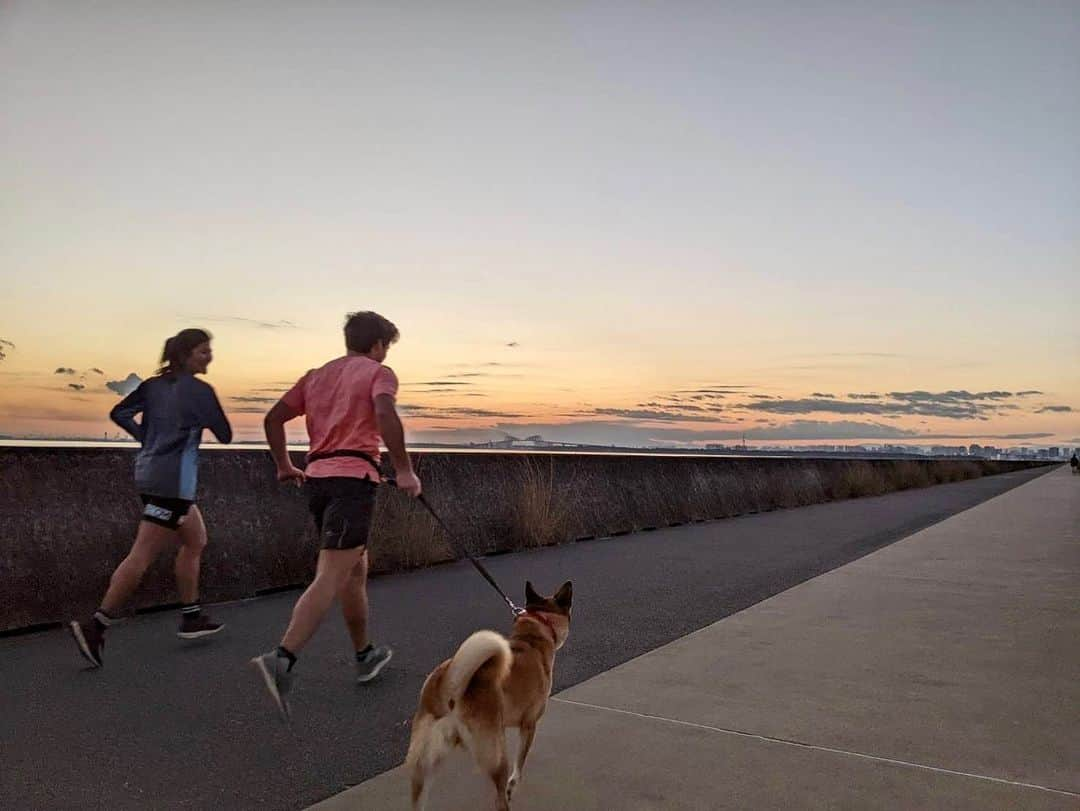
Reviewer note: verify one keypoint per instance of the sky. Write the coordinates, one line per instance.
(618, 223)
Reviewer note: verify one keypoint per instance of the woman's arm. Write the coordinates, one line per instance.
(213, 417)
(123, 413)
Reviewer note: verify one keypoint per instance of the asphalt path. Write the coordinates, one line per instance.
(168, 724)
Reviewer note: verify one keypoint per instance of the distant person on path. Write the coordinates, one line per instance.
(1074, 463)
(349, 406)
(175, 409)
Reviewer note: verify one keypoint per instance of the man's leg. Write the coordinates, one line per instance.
(333, 569)
(354, 604)
(276, 666)
(370, 659)
(342, 509)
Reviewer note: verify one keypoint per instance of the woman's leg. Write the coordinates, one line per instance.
(149, 543)
(188, 560)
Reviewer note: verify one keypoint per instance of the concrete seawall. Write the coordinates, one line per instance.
(68, 516)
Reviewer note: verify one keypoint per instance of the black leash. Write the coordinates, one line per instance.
(514, 609)
(456, 543)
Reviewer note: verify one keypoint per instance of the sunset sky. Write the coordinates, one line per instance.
(631, 223)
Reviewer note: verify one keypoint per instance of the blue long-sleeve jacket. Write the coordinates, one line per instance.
(175, 409)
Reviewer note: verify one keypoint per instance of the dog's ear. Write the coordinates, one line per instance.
(565, 595)
(531, 597)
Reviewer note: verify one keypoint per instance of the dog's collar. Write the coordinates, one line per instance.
(539, 616)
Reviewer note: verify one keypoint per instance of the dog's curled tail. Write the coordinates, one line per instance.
(483, 656)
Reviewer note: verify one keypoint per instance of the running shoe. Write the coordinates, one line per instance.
(90, 637)
(198, 626)
(369, 665)
(275, 673)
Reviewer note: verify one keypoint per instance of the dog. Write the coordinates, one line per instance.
(490, 684)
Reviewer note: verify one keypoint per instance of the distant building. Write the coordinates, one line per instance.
(948, 450)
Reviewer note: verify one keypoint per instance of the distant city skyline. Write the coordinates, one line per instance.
(612, 224)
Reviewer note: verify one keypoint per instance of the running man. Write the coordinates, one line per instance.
(175, 408)
(349, 405)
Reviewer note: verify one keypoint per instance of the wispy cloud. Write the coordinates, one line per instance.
(440, 412)
(1061, 409)
(5, 347)
(814, 405)
(485, 375)
(76, 386)
(247, 398)
(513, 344)
(952, 396)
(439, 383)
(654, 415)
(251, 322)
(717, 389)
(863, 355)
(1028, 393)
(96, 370)
(65, 370)
(952, 404)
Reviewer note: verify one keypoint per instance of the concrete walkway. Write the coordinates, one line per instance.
(939, 672)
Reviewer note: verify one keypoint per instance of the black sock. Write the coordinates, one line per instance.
(285, 653)
(190, 611)
(360, 654)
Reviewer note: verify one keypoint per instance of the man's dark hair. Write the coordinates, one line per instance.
(363, 330)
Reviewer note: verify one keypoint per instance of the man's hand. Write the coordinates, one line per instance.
(409, 483)
(291, 474)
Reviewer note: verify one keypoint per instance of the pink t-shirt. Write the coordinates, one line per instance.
(338, 400)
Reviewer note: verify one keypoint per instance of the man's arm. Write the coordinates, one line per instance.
(393, 434)
(274, 425)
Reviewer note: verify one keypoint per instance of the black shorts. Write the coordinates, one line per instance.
(163, 511)
(343, 507)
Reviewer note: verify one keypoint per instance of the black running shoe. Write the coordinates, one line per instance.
(90, 637)
(198, 626)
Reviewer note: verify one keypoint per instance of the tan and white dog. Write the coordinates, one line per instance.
(490, 684)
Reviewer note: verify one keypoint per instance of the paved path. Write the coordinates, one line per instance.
(940, 672)
(172, 725)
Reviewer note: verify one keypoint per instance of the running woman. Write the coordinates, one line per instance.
(350, 407)
(175, 409)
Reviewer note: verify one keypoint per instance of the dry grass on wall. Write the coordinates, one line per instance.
(542, 503)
